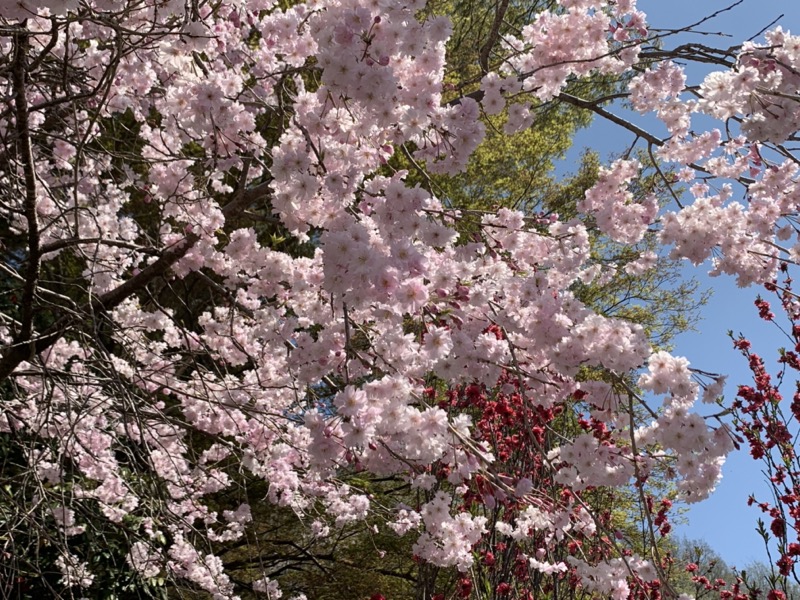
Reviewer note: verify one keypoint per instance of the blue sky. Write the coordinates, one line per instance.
(724, 521)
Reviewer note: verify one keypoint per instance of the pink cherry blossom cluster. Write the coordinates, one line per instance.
(448, 540)
(585, 38)
(761, 86)
(617, 215)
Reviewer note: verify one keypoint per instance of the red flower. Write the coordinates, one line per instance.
(778, 527)
(785, 564)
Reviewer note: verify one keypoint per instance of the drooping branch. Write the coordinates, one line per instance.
(596, 108)
(651, 139)
(20, 352)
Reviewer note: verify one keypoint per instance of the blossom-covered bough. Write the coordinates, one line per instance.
(212, 273)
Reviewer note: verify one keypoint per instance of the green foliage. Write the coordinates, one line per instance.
(512, 170)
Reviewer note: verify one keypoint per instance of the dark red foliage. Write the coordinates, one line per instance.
(759, 416)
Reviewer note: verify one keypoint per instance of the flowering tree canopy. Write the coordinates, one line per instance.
(214, 274)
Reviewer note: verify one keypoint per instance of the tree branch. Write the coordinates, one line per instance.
(494, 33)
(18, 353)
(25, 153)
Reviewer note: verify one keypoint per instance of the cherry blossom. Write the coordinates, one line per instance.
(248, 267)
